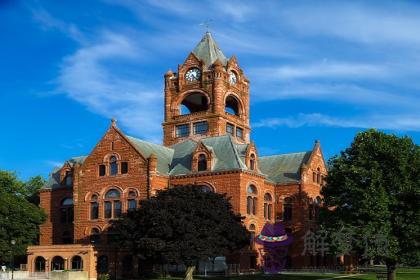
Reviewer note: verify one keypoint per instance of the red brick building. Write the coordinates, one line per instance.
(206, 143)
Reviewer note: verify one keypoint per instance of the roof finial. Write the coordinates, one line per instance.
(113, 122)
(206, 24)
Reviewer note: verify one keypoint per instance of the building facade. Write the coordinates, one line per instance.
(206, 142)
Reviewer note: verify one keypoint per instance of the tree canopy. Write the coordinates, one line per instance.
(373, 190)
(183, 225)
(19, 216)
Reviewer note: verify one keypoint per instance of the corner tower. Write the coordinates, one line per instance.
(208, 96)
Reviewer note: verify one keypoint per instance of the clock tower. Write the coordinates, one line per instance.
(207, 97)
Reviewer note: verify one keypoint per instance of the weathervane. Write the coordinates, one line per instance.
(206, 24)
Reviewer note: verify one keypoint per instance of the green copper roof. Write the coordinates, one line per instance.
(284, 168)
(163, 154)
(208, 51)
(225, 155)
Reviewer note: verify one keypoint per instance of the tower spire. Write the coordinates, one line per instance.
(208, 51)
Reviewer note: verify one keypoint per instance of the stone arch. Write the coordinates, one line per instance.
(193, 102)
(107, 156)
(57, 263)
(130, 189)
(105, 190)
(206, 184)
(39, 264)
(77, 263)
(233, 105)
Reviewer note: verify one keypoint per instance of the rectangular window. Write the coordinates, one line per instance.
(229, 128)
(239, 132)
(102, 170)
(108, 209)
(182, 130)
(201, 127)
(124, 167)
(132, 204)
(117, 209)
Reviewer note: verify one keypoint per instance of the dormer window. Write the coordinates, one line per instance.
(68, 178)
(202, 162)
(252, 162)
(113, 166)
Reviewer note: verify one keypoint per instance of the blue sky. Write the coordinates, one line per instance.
(318, 70)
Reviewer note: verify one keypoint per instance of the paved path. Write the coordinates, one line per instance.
(343, 276)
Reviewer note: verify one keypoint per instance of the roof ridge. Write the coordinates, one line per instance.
(150, 143)
(235, 152)
(285, 154)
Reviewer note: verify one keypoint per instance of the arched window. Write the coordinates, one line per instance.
(195, 102)
(112, 204)
(94, 207)
(76, 263)
(252, 162)
(287, 209)
(251, 200)
(66, 211)
(39, 264)
(68, 178)
(132, 201)
(232, 106)
(268, 206)
(113, 166)
(57, 263)
(252, 235)
(205, 188)
(95, 236)
(102, 264)
(202, 162)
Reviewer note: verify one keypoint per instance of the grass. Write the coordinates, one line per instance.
(402, 274)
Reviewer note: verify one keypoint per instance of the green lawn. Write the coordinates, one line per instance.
(402, 274)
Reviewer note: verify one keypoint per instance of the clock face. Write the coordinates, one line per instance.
(193, 75)
(233, 79)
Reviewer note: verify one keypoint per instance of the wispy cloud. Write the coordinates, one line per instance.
(85, 78)
(323, 69)
(47, 21)
(53, 163)
(393, 122)
(367, 23)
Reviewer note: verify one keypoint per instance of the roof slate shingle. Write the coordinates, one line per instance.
(228, 155)
(208, 51)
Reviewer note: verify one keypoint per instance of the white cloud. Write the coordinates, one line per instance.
(54, 163)
(393, 122)
(47, 21)
(85, 78)
(324, 69)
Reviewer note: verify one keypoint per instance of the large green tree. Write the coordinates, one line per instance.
(183, 225)
(19, 216)
(373, 190)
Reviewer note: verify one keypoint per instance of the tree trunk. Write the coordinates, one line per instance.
(391, 270)
(189, 273)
